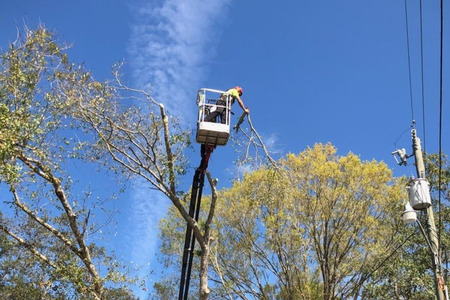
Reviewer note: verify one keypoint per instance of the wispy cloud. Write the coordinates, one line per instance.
(139, 232)
(171, 44)
(170, 48)
(146, 211)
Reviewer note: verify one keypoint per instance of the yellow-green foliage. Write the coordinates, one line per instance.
(319, 213)
(311, 229)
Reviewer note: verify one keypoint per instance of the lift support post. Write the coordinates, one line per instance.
(194, 212)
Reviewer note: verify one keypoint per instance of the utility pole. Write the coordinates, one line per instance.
(441, 288)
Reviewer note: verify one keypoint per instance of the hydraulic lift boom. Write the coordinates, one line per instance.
(194, 211)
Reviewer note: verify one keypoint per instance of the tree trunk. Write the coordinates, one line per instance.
(204, 290)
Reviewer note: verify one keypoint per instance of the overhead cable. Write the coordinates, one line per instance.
(409, 60)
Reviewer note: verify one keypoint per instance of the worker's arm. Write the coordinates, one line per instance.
(241, 104)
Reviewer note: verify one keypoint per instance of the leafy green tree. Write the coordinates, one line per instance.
(47, 230)
(316, 226)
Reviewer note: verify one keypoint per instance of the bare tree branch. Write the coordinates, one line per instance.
(44, 224)
(84, 253)
(253, 139)
(28, 246)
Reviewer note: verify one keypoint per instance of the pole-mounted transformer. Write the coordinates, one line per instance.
(420, 199)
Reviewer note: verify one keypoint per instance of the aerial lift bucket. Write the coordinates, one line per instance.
(214, 132)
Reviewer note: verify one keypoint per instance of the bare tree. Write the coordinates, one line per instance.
(135, 136)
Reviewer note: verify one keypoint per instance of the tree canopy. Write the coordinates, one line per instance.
(317, 226)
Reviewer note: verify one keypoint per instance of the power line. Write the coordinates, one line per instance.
(440, 117)
(423, 86)
(409, 60)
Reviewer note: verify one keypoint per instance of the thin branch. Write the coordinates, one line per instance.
(251, 140)
(216, 267)
(44, 172)
(44, 224)
(28, 246)
(261, 142)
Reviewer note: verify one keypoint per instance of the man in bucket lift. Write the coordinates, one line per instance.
(235, 94)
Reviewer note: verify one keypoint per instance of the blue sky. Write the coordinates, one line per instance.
(312, 71)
